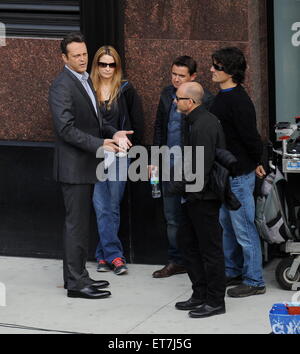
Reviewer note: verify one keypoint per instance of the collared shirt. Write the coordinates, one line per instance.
(174, 137)
(83, 78)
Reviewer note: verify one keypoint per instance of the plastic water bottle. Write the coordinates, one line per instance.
(154, 180)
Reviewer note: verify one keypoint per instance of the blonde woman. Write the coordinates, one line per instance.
(121, 108)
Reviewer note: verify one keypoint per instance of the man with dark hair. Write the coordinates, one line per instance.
(76, 37)
(79, 134)
(234, 108)
(168, 131)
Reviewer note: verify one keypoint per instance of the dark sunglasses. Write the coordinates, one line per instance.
(183, 98)
(104, 65)
(218, 67)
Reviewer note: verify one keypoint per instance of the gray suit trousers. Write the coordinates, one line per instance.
(78, 202)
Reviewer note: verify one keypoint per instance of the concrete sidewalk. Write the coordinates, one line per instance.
(36, 301)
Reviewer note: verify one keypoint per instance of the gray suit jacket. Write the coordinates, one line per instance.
(79, 130)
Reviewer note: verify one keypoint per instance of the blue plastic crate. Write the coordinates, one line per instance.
(282, 322)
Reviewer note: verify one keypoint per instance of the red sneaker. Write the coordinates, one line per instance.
(103, 266)
(119, 266)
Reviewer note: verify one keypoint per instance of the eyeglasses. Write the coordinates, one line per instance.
(183, 98)
(218, 67)
(104, 65)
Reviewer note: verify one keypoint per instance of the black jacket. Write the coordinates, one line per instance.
(79, 130)
(224, 166)
(201, 129)
(236, 112)
(162, 115)
(127, 113)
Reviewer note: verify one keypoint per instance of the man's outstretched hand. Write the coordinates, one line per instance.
(119, 142)
(110, 145)
(120, 138)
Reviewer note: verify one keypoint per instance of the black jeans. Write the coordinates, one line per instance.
(200, 240)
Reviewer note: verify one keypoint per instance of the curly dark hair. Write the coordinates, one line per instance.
(233, 61)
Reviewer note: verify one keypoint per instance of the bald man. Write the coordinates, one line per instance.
(199, 237)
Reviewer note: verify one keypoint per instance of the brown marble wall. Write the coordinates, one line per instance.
(158, 31)
(28, 67)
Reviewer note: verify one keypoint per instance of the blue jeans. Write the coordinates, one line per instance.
(241, 242)
(173, 216)
(107, 199)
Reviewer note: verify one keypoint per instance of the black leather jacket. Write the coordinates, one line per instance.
(219, 164)
(203, 129)
(224, 166)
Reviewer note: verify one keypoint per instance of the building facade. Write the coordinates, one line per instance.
(149, 35)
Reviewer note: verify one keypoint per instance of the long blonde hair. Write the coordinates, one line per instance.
(117, 76)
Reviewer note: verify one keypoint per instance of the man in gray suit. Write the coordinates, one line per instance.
(79, 134)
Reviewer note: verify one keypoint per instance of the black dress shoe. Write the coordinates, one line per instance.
(207, 311)
(89, 292)
(189, 304)
(99, 284)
